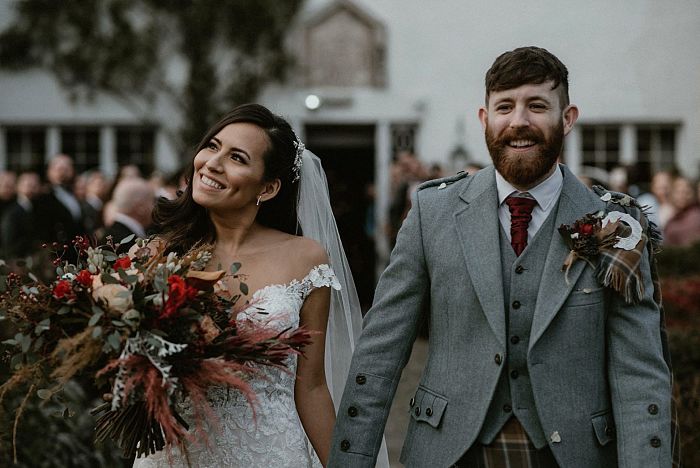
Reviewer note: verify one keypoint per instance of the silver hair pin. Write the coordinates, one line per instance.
(296, 168)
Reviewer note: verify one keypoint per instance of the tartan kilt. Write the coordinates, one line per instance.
(510, 449)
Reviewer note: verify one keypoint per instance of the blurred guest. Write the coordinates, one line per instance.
(59, 215)
(96, 190)
(407, 173)
(617, 179)
(436, 171)
(683, 228)
(132, 202)
(658, 201)
(18, 226)
(7, 189)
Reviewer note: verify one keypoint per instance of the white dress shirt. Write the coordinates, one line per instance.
(546, 194)
(136, 227)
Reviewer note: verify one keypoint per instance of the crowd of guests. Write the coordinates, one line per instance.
(54, 210)
(672, 202)
(36, 211)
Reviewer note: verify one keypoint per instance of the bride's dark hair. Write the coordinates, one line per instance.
(182, 223)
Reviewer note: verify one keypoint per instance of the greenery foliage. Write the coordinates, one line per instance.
(203, 56)
(680, 280)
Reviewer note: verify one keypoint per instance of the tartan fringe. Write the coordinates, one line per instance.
(631, 289)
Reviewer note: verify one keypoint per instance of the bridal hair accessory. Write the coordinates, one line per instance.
(299, 148)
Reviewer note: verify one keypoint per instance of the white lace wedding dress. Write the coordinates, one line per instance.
(275, 438)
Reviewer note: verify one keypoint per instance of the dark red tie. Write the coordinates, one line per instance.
(520, 216)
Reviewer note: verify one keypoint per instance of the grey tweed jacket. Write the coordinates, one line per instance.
(600, 382)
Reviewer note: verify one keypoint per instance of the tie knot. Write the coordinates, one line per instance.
(520, 206)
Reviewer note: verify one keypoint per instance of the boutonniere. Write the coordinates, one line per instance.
(612, 243)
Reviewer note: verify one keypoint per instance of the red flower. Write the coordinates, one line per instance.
(84, 278)
(123, 263)
(179, 292)
(63, 289)
(586, 229)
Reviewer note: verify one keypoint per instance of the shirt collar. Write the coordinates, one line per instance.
(131, 223)
(545, 193)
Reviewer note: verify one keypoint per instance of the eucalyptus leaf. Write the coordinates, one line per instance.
(97, 332)
(108, 279)
(26, 343)
(127, 239)
(34, 290)
(114, 340)
(10, 342)
(44, 393)
(244, 289)
(118, 323)
(59, 271)
(33, 277)
(235, 267)
(16, 362)
(122, 274)
(64, 310)
(94, 319)
(42, 326)
(109, 255)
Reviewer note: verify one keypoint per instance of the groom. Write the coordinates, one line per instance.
(527, 366)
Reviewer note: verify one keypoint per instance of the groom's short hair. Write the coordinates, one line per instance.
(527, 65)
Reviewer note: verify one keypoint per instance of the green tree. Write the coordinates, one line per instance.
(204, 56)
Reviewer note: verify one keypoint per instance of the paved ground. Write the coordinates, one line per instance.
(398, 416)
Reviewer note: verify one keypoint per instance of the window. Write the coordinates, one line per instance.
(135, 145)
(656, 149)
(600, 146)
(83, 145)
(403, 138)
(25, 148)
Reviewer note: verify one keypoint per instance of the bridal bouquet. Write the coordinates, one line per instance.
(148, 327)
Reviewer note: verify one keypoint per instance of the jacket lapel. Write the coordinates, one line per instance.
(576, 200)
(477, 226)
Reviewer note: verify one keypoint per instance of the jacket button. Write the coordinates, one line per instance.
(345, 445)
(516, 304)
(352, 411)
(498, 359)
(653, 409)
(519, 269)
(428, 412)
(507, 408)
(417, 411)
(655, 442)
(412, 402)
(360, 379)
(514, 374)
(515, 339)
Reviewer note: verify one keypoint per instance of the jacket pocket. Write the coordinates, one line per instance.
(604, 426)
(427, 406)
(585, 296)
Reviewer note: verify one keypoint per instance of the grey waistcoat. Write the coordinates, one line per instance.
(513, 396)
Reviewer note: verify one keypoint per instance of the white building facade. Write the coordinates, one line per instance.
(378, 76)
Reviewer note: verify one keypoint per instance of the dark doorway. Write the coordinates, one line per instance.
(347, 154)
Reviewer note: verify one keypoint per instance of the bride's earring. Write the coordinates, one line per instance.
(258, 203)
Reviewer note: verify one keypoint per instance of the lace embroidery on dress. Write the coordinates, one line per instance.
(273, 436)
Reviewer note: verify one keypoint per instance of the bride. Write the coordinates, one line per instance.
(252, 191)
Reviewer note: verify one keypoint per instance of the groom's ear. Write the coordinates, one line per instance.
(483, 117)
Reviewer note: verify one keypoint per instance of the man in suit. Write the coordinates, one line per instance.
(528, 365)
(58, 211)
(18, 227)
(133, 201)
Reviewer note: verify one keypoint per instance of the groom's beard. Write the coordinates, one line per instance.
(525, 169)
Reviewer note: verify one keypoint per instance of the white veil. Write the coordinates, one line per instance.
(317, 222)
